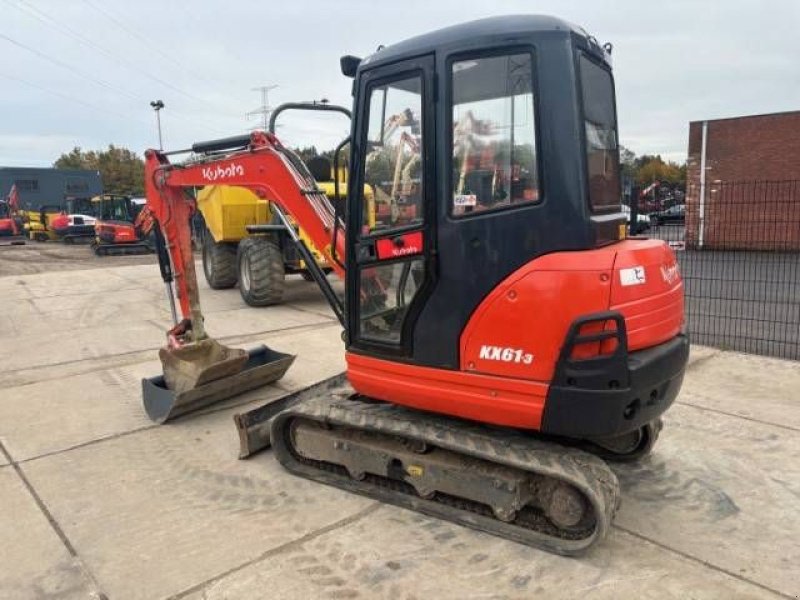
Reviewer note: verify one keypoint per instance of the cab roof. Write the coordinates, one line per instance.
(508, 28)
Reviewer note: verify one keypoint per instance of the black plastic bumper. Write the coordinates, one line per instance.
(610, 397)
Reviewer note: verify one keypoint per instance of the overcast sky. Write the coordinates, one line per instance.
(82, 72)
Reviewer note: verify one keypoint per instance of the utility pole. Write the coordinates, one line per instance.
(157, 106)
(265, 109)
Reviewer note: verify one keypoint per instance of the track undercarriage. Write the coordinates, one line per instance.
(560, 498)
(121, 249)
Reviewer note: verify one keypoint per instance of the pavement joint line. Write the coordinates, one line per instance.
(737, 416)
(311, 312)
(69, 295)
(209, 410)
(281, 549)
(134, 353)
(55, 526)
(705, 563)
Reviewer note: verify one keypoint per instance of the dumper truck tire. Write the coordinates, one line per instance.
(219, 263)
(261, 271)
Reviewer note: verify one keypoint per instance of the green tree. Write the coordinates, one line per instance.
(121, 170)
(627, 161)
(653, 168)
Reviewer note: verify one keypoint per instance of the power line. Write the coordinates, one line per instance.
(67, 96)
(35, 13)
(99, 82)
(70, 68)
(151, 44)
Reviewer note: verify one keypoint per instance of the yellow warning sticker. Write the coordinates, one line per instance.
(415, 470)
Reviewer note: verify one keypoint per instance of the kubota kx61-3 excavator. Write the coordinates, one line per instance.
(501, 333)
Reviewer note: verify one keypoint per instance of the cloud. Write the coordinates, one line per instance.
(674, 62)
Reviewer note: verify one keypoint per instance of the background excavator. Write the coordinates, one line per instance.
(11, 224)
(502, 335)
(116, 230)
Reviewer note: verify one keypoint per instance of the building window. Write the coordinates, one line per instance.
(27, 185)
(494, 145)
(76, 185)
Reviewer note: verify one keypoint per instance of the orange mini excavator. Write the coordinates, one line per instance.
(502, 336)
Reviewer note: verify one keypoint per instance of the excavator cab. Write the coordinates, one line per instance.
(487, 145)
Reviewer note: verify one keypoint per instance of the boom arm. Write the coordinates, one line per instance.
(266, 168)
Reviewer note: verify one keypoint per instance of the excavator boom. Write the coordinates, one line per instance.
(192, 361)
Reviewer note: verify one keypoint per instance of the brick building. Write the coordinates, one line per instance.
(750, 196)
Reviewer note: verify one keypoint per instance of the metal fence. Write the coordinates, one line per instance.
(738, 245)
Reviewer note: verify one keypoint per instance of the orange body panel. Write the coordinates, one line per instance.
(511, 345)
(653, 311)
(8, 227)
(497, 400)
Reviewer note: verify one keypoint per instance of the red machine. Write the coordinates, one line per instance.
(501, 334)
(116, 230)
(11, 229)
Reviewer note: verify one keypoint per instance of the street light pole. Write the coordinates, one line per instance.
(157, 106)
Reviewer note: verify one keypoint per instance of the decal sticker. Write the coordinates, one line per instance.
(632, 276)
(465, 200)
(504, 354)
(670, 273)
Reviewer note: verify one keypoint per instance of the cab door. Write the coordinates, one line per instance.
(390, 224)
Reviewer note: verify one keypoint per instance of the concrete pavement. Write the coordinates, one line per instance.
(99, 503)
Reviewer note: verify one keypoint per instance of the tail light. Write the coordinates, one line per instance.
(595, 338)
(595, 353)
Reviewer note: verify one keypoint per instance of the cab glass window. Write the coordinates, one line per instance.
(494, 134)
(393, 161)
(602, 155)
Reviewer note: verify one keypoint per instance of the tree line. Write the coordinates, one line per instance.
(647, 168)
(122, 170)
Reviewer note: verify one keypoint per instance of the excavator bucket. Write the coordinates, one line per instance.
(199, 363)
(200, 374)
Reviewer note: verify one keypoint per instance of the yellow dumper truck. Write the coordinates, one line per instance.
(257, 262)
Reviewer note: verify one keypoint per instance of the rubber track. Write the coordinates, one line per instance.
(586, 472)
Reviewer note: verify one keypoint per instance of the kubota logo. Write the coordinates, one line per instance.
(405, 251)
(515, 355)
(220, 172)
(670, 273)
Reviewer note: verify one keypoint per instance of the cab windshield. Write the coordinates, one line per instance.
(115, 209)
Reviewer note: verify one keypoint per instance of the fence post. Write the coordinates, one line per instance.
(633, 203)
(702, 219)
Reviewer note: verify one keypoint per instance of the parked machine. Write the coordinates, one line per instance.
(116, 231)
(59, 223)
(257, 261)
(11, 227)
(502, 335)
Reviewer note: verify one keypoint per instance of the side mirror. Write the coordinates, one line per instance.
(349, 65)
